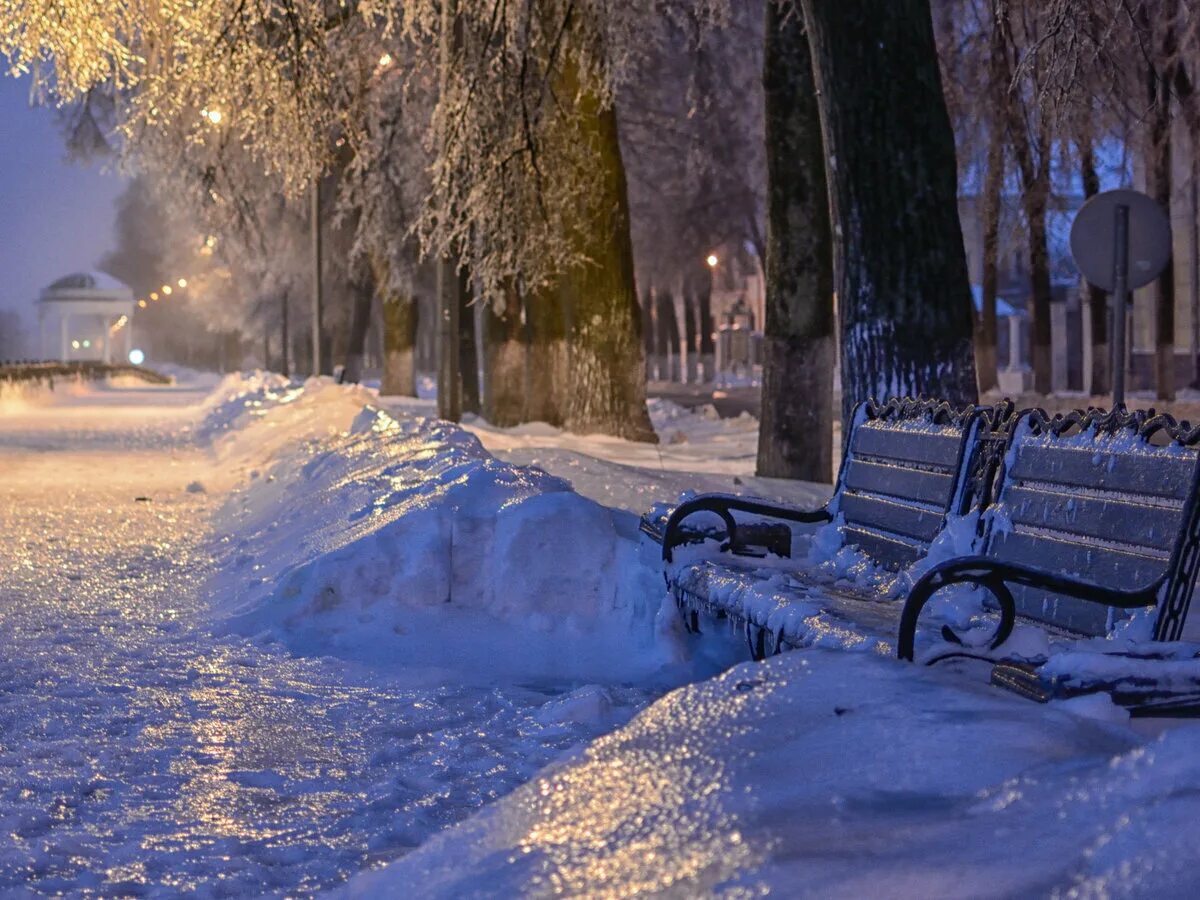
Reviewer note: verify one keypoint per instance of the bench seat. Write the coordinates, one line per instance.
(909, 468)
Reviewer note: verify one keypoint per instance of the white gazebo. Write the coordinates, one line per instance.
(86, 316)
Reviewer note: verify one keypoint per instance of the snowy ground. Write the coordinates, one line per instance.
(263, 639)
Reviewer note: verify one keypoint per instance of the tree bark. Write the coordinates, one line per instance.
(707, 348)
(399, 338)
(900, 264)
(690, 335)
(285, 341)
(1160, 181)
(363, 293)
(504, 362)
(795, 438)
(1031, 147)
(669, 335)
(1096, 297)
(546, 366)
(606, 389)
(985, 339)
(468, 356)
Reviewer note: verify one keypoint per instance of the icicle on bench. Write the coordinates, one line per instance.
(1096, 516)
(909, 465)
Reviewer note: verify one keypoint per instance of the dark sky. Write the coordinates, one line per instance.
(55, 216)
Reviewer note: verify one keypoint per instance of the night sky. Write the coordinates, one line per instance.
(55, 216)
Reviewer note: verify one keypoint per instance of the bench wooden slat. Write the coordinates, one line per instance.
(1074, 615)
(1087, 562)
(891, 516)
(1119, 521)
(935, 449)
(899, 481)
(1158, 474)
(890, 553)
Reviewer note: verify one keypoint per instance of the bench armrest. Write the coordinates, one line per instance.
(724, 505)
(995, 576)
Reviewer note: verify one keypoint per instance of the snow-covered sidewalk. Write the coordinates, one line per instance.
(264, 639)
(146, 746)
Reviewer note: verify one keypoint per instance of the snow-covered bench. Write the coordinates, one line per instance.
(1096, 516)
(909, 466)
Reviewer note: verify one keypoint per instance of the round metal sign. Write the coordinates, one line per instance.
(1093, 244)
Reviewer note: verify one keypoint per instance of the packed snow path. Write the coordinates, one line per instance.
(141, 753)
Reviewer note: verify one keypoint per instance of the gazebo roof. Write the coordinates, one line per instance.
(86, 286)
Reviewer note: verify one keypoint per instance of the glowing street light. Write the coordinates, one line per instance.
(74, 345)
(182, 282)
(136, 356)
(385, 60)
(154, 295)
(141, 304)
(213, 115)
(712, 260)
(166, 289)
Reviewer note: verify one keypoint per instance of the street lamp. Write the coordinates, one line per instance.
(712, 260)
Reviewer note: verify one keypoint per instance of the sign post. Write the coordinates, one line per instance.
(1121, 241)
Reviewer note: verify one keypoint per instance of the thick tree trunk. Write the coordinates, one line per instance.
(1097, 299)
(399, 338)
(985, 338)
(669, 334)
(504, 362)
(468, 356)
(795, 438)
(691, 334)
(901, 268)
(1035, 200)
(546, 370)
(284, 339)
(363, 294)
(648, 332)
(1160, 181)
(707, 349)
(606, 389)
(1031, 147)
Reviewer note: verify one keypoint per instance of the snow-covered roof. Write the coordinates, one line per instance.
(86, 286)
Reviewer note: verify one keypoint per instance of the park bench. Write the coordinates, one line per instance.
(909, 466)
(1095, 517)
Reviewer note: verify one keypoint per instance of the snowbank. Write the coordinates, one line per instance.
(836, 775)
(404, 541)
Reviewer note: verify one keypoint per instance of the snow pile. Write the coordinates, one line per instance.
(831, 774)
(404, 541)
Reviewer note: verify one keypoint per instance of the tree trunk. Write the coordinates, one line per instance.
(285, 340)
(1160, 181)
(690, 336)
(468, 356)
(399, 338)
(1035, 199)
(449, 378)
(985, 339)
(795, 438)
(648, 333)
(606, 389)
(504, 362)
(705, 318)
(1031, 147)
(1096, 297)
(669, 334)
(901, 268)
(363, 293)
(546, 370)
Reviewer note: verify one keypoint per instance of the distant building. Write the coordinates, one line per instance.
(85, 316)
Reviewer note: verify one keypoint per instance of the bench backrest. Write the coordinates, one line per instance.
(1107, 498)
(907, 465)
